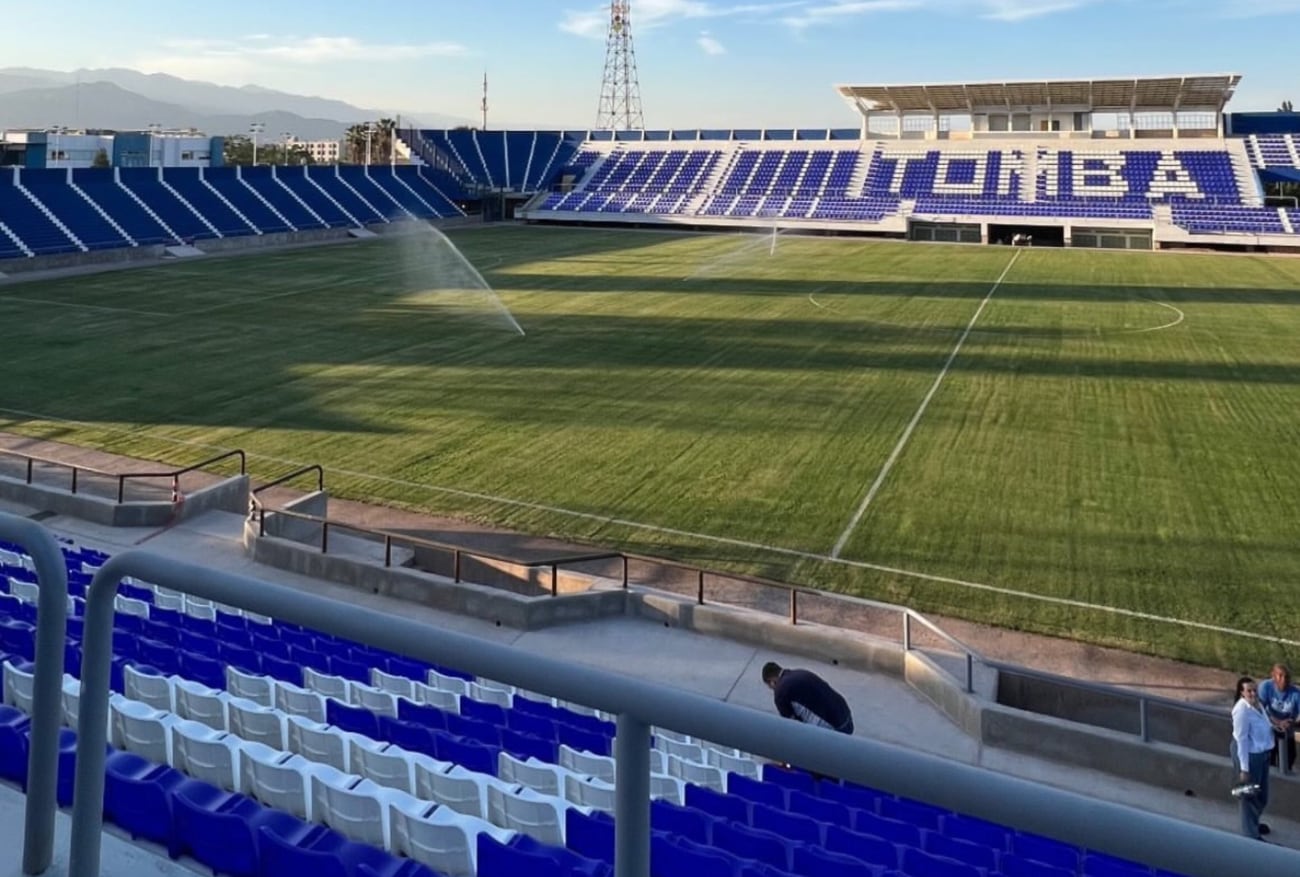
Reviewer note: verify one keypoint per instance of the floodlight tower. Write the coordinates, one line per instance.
(620, 92)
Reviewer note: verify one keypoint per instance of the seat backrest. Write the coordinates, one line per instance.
(18, 687)
(536, 815)
(384, 765)
(258, 689)
(281, 784)
(317, 742)
(390, 682)
(299, 702)
(323, 683)
(453, 684)
(378, 701)
(256, 723)
(448, 701)
(205, 754)
(200, 704)
(586, 764)
(538, 776)
(589, 792)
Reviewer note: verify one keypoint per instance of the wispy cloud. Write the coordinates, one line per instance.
(224, 59)
(832, 11)
(709, 45)
(649, 14)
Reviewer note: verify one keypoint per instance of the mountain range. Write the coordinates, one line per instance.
(121, 99)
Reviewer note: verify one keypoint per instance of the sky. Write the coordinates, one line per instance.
(701, 63)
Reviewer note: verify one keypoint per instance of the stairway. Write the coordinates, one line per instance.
(1244, 173)
(102, 212)
(117, 178)
(233, 209)
(181, 198)
(49, 214)
(239, 175)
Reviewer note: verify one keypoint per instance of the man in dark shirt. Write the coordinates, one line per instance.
(804, 696)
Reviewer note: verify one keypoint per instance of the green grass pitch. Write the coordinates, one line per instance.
(1114, 430)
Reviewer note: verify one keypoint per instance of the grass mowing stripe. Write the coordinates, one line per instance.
(920, 412)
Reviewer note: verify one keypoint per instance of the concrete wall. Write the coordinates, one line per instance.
(74, 260)
(463, 598)
(1123, 755)
(228, 495)
(1115, 711)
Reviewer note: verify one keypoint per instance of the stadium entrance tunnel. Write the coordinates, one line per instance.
(1027, 235)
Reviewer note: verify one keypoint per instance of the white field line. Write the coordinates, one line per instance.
(722, 540)
(916, 418)
(83, 306)
(1169, 325)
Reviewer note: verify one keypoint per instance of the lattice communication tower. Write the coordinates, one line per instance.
(620, 92)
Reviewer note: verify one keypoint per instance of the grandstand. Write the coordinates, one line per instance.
(1137, 163)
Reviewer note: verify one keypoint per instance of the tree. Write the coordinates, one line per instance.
(1286, 107)
(385, 132)
(101, 159)
(354, 144)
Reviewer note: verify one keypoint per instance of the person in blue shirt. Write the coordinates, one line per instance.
(1281, 701)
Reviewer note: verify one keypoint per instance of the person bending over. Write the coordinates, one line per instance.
(804, 696)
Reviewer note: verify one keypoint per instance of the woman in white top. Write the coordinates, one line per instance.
(1252, 741)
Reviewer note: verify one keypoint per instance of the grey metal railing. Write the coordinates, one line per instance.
(47, 696)
(639, 705)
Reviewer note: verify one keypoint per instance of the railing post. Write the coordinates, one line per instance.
(121, 489)
(47, 694)
(699, 597)
(555, 580)
(794, 606)
(907, 631)
(631, 797)
(970, 673)
(30, 470)
(625, 572)
(388, 550)
(1144, 730)
(74, 479)
(324, 536)
(261, 525)
(456, 565)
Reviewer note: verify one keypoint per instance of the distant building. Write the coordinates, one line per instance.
(60, 148)
(321, 151)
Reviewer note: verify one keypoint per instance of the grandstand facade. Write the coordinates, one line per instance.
(1137, 163)
(1133, 163)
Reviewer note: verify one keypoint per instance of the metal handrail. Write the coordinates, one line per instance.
(390, 538)
(123, 477)
(284, 479)
(176, 474)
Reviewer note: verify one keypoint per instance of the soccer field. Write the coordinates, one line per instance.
(963, 430)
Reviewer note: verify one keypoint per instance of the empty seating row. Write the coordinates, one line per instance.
(46, 212)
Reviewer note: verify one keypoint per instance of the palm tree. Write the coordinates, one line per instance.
(1286, 107)
(385, 135)
(355, 143)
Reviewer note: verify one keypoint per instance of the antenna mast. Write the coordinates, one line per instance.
(620, 92)
(484, 104)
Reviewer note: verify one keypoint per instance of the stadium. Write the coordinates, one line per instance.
(365, 517)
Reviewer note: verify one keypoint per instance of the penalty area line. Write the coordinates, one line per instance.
(916, 418)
